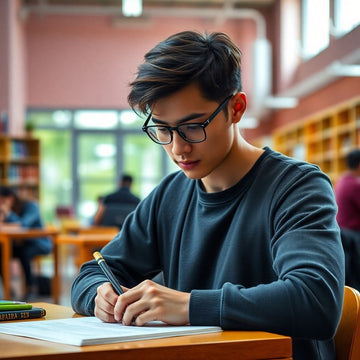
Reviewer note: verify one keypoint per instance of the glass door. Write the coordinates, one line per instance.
(142, 159)
(95, 169)
(84, 152)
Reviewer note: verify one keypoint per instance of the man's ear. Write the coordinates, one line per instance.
(238, 106)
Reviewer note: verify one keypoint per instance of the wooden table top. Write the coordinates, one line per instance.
(23, 233)
(245, 345)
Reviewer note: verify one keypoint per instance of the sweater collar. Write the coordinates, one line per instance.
(236, 191)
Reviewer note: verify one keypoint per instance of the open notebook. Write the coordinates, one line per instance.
(91, 331)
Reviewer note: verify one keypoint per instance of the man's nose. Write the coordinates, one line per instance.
(179, 145)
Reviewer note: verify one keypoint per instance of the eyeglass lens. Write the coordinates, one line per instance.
(189, 132)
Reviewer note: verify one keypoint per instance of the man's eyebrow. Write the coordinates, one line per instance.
(183, 120)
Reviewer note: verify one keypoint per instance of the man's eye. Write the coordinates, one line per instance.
(191, 127)
(162, 129)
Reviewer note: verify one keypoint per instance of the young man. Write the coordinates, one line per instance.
(246, 238)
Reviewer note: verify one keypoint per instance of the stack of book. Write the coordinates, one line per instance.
(17, 310)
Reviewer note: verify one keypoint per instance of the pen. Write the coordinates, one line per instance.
(9, 307)
(10, 302)
(108, 273)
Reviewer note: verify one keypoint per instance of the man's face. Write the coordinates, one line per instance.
(197, 160)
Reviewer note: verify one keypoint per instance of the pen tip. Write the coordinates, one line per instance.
(97, 255)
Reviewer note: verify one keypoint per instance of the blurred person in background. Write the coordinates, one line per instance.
(24, 214)
(122, 198)
(347, 192)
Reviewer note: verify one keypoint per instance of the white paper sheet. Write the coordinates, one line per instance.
(90, 331)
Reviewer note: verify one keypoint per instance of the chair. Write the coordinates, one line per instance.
(351, 243)
(37, 262)
(66, 218)
(347, 337)
(99, 230)
(92, 230)
(38, 259)
(115, 215)
(64, 211)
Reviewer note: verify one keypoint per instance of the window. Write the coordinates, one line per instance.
(316, 26)
(83, 152)
(346, 15)
(95, 119)
(55, 169)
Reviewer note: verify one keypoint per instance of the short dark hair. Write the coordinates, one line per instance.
(6, 191)
(127, 178)
(353, 159)
(212, 61)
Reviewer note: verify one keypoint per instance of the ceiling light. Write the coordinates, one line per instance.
(132, 7)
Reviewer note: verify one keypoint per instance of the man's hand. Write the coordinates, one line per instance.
(105, 301)
(145, 302)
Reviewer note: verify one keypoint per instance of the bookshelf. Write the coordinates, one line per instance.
(19, 165)
(323, 139)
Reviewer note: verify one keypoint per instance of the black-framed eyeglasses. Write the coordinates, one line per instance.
(190, 132)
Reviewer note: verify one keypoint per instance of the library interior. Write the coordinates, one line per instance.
(68, 133)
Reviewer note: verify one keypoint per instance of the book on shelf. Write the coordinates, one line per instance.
(22, 314)
(27, 173)
(19, 149)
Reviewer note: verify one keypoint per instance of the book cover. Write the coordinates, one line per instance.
(11, 315)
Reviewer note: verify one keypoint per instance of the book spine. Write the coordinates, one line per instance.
(22, 314)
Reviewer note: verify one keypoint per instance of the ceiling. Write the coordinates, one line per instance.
(106, 5)
(219, 10)
(198, 3)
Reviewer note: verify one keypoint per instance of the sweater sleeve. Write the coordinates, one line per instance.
(306, 298)
(131, 255)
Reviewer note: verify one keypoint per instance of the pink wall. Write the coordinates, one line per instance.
(83, 61)
(12, 66)
(289, 74)
(4, 58)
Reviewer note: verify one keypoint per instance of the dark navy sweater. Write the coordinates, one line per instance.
(263, 255)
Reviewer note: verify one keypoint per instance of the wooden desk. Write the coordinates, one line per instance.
(7, 235)
(244, 345)
(85, 243)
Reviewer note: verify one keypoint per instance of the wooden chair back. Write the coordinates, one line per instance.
(99, 230)
(347, 337)
(115, 214)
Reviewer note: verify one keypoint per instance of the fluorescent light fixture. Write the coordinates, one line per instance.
(132, 7)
